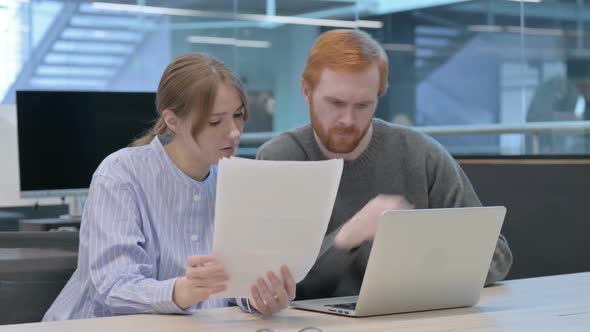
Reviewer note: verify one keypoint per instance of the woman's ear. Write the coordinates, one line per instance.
(170, 120)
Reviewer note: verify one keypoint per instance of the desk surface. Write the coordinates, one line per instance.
(559, 303)
(36, 259)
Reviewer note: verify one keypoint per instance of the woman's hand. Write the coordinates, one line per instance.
(271, 296)
(204, 277)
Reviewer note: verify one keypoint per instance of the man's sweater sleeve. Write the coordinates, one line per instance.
(332, 263)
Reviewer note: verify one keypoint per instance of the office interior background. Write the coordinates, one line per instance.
(504, 85)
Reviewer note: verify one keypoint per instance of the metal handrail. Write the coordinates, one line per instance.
(534, 129)
(458, 130)
(529, 128)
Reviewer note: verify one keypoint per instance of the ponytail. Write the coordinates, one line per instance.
(159, 128)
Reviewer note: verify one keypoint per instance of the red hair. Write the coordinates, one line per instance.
(345, 50)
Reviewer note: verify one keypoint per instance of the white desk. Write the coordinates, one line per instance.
(559, 303)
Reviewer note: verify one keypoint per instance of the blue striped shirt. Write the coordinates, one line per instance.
(143, 218)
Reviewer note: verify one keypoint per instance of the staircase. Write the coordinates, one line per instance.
(83, 49)
(437, 41)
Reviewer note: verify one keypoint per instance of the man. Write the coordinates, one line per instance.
(386, 166)
(561, 99)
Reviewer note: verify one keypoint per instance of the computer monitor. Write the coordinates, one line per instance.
(64, 135)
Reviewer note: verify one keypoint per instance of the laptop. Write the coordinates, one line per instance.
(422, 260)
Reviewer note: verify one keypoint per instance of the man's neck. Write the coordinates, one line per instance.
(354, 154)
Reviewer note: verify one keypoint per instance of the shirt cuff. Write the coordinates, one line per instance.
(244, 303)
(163, 299)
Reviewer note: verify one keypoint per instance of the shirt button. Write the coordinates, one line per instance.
(197, 198)
(194, 237)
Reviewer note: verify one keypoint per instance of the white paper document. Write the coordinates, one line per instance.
(269, 214)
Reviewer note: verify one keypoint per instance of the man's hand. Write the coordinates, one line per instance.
(363, 226)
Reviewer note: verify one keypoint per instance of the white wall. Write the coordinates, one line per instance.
(9, 175)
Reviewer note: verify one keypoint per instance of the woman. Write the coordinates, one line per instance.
(147, 226)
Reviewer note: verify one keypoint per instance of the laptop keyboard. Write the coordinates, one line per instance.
(347, 306)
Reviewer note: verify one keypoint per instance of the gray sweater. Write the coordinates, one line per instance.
(398, 161)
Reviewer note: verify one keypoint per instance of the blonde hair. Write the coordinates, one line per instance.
(188, 84)
(345, 50)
